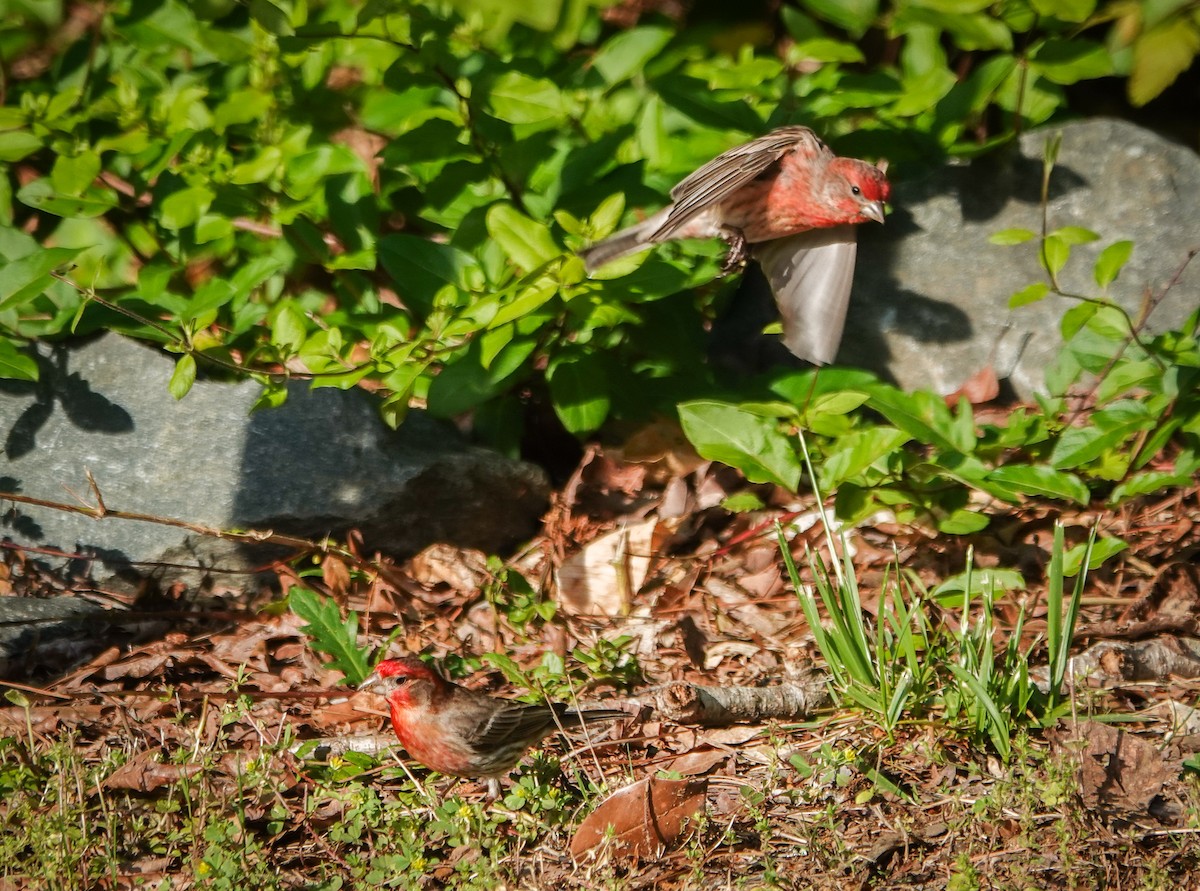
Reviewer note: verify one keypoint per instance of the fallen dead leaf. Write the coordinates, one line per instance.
(644, 819)
(144, 773)
(461, 569)
(601, 579)
(1120, 774)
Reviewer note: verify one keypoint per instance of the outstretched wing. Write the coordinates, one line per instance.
(726, 173)
(811, 274)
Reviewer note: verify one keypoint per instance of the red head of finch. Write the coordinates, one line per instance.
(794, 204)
(463, 732)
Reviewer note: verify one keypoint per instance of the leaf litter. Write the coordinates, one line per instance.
(642, 549)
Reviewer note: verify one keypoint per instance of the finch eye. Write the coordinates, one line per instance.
(855, 190)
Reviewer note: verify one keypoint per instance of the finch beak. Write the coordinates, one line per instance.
(370, 683)
(873, 210)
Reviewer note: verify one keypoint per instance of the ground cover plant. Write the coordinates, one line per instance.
(389, 196)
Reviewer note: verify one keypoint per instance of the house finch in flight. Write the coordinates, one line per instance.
(795, 204)
(462, 732)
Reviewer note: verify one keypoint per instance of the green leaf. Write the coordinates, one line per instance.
(421, 267)
(963, 522)
(15, 365)
(18, 144)
(1101, 550)
(272, 19)
(521, 99)
(1055, 253)
(924, 416)
(289, 328)
(72, 175)
(1109, 429)
(182, 208)
(330, 633)
(1070, 61)
(1011, 236)
(741, 439)
(527, 242)
(183, 376)
(853, 453)
(579, 392)
(1110, 262)
(94, 202)
(28, 276)
(855, 16)
(1029, 294)
(1073, 235)
(1160, 55)
(1039, 481)
(628, 53)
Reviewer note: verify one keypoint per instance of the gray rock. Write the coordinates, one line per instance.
(930, 304)
(321, 464)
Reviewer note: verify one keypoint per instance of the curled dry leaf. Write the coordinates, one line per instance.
(143, 773)
(601, 579)
(650, 816)
(1120, 774)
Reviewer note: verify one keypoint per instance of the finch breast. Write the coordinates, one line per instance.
(764, 210)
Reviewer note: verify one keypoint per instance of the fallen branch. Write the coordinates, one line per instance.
(686, 703)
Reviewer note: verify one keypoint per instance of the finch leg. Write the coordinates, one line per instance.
(493, 788)
(736, 258)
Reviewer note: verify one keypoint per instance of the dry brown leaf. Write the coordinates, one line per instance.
(1120, 774)
(462, 569)
(143, 773)
(336, 574)
(601, 579)
(646, 818)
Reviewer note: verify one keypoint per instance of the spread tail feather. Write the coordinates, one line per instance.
(635, 238)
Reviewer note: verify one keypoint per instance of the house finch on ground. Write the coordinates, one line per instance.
(462, 732)
(795, 204)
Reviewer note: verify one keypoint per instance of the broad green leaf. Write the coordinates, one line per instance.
(1039, 481)
(330, 633)
(272, 19)
(1102, 550)
(1055, 253)
(962, 522)
(1069, 61)
(420, 267)
(18, 144)
(1110, 262)
(289, 328)
(1011, 236)
(1160, 55)
(1076, 317)
(94, 202)
(1066, 10)
(1029, 294)
(855, 16)
(15, 365)
(628, 53)
(72, 175)
(1108, 428)
(527, 242)
(579, 392)
(753, 444)
(28, 276)
(521, 99)
(183, 376)
(1074, 235)
(922, 415)
(856, 451)
(183, 208)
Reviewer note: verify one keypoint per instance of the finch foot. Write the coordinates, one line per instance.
(736, 258)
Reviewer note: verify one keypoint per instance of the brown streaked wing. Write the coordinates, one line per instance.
(510, 724)
(726, 173)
